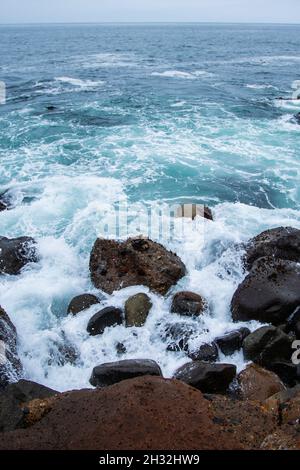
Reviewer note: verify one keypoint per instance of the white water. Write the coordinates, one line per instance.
(37, 300)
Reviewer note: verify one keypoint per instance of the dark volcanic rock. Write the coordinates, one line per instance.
(257, 383)
(188, 303)
(3, 206)
(297, 117)
(137, 261)
(13, 401)
(137, 309)
(146, 413)
(293, 323)
(231, 342)
(288, 372)
(281, 242)
(270, 293)
(209, 378)
(177, 335)
(114, 372)
(82, 302)
(108, 316)
(268, 345)
(16, 253)
(10, 364)
(206, 353)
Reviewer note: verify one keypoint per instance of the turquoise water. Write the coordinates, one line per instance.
(142, 113)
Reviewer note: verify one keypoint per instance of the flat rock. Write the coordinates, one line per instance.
(137, 309)
(209, 378)
(114, 372)
(270, 293)
(256, 383)
(146, 413)
(115, 265)
(15, 253)
(82, 302)
(188, 304)
(109, 316)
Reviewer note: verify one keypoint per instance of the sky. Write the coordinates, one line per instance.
(98, 11)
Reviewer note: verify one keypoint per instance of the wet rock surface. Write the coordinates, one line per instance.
(137, 309)
(82, 302)
(114, 372)
(147, 413)
(137, 261)
(280, 242)
(188, 304)
(232, 341)
(209, 378)
(256, 383)
(177, 335)
(16, 253)
(10, 366)
(107, 317)
(270, 293)
(13, 400)
(205, 352)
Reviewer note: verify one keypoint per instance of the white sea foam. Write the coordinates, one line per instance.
(181, 74)
(83, 84)
(260, 87)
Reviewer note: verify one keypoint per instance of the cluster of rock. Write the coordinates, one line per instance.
(270, 293)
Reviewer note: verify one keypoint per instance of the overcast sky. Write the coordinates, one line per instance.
(52, 11)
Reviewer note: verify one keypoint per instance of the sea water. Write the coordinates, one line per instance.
(142, 115)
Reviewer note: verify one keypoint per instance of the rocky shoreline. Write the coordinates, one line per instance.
(206, 405)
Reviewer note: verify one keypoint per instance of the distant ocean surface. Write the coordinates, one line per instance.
(147, 113)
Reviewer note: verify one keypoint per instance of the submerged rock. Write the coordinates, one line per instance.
(188, 303)
(13, 400)
(10, 364)
(82, 302)
(270, 293)
(256, 383)
(280, 242)
(114, 372)
(205, 353)
(3, 206)
(16, 253)
(144, 413)
(137, 261)
(267, 346)
(232, 341)
(177, 335)
(209, 378)
(137, 309)
(108, 316)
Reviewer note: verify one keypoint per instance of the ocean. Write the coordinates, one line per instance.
(146, 115)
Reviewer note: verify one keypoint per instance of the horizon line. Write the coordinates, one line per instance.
(147, 22)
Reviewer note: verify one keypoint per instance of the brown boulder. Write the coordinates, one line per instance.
(257, 383)
(147, 413)
(82, 302)
(137, 261)
(188, 304)
(137, 309)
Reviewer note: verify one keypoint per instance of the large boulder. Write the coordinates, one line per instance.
(13, 402)
(293, 323)
(267, 346)
(15, 253)
(206, 352)
(114, 372)
(270, 293)
(10, 364)
(82, 302)
(137, 261)
(188, 304)
(232, 341)
(108, 316)
(256, 383)
(280, 242)
(209, 378)
(137, 309)
(146, 413)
